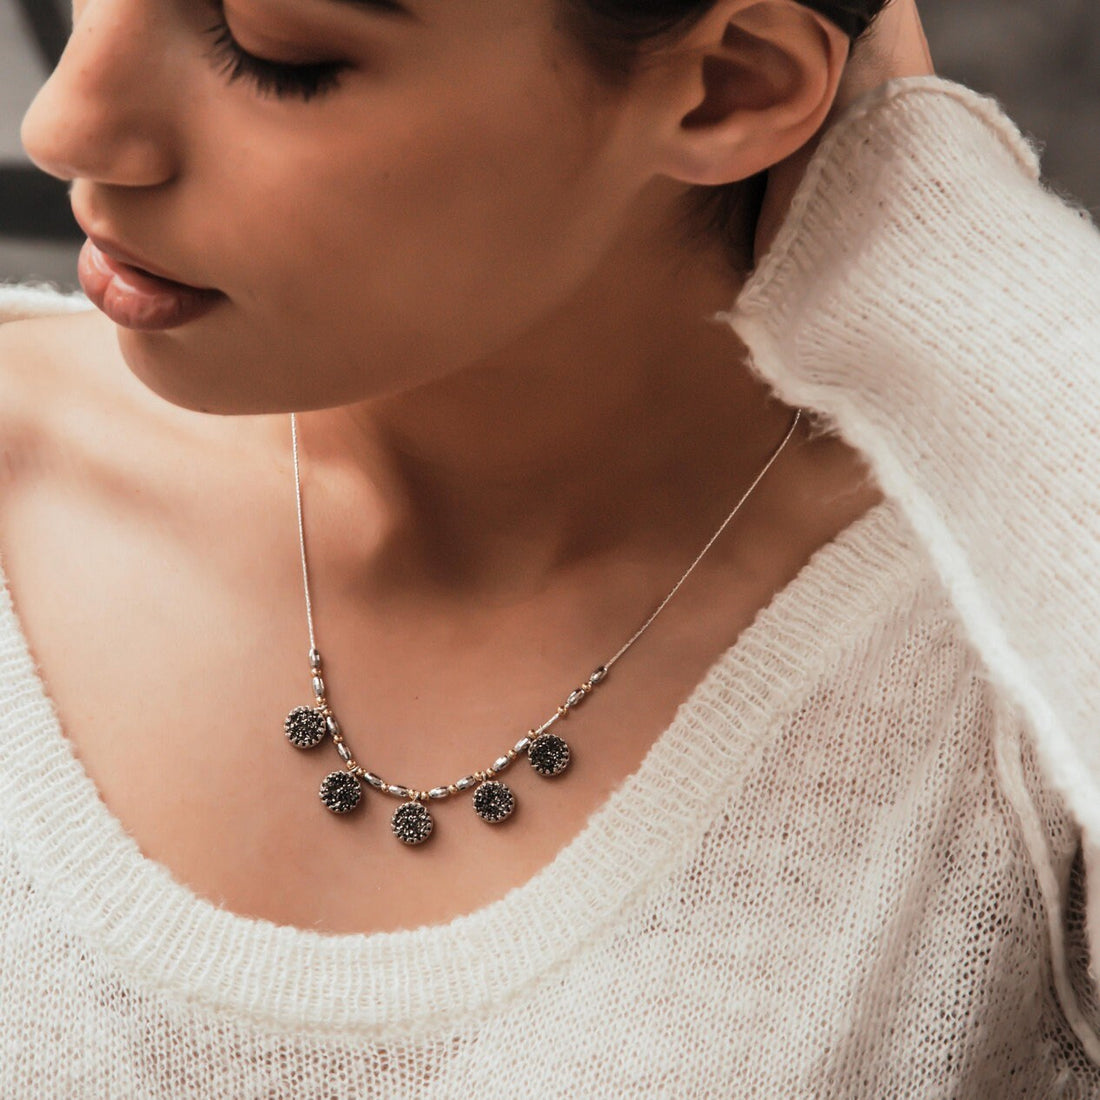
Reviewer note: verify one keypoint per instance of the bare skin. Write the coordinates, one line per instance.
(483, 530)
(174, 644)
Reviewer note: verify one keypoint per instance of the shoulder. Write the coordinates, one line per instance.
(55, 374)
(78, 426)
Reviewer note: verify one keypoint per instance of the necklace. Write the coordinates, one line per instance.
(548, 753)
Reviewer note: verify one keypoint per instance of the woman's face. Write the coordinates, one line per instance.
(438, 180)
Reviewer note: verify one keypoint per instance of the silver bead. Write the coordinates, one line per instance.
(523, 746)
(375, 781)
(398, 792)
(333, 726)
(466, 783)
(575, 698)
(500, 764)
(315, 660)
(344, 751)
(439, 792)
(599, 675)
(318, 687)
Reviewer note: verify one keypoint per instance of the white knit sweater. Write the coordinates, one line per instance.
(850, 868)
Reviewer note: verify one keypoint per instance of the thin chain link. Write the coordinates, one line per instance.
(533, 737)
(710, 542)
(302, 531)
(643, 628)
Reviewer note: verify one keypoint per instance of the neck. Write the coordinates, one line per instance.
(630, 418)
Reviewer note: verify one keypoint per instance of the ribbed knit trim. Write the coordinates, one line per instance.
(165, 937)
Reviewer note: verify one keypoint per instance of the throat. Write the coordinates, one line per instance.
(493, 494)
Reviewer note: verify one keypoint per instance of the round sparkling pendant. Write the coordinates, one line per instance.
(305, 727)
(341, 792)
(412, 823)
(549, 754)
(494, 801)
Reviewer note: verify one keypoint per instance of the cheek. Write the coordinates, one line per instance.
(430, 232)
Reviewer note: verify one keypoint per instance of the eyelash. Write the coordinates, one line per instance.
(283, 81)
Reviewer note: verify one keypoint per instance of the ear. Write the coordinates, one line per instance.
(748, 86)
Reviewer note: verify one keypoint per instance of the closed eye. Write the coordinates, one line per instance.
(280, 79)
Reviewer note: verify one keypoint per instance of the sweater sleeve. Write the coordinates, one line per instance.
(22, 301)
(940, 309)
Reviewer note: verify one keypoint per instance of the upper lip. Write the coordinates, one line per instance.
(112, 248)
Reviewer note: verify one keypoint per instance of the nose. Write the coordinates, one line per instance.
(105, 114)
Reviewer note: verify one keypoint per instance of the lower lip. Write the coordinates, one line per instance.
(136, 300)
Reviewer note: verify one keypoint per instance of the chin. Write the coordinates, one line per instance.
(182, 375)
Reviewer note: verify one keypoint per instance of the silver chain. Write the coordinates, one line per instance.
(575, 698)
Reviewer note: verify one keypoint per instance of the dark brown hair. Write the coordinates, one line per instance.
(616, 33)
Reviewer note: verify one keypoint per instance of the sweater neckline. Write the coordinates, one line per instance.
(163, 936)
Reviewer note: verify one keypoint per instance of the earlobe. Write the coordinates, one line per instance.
(755, 85)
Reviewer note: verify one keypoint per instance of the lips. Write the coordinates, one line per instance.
(131, 258)
(135, 293)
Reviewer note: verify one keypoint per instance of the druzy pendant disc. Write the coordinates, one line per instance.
(340, 792)
(549, 754)
(412, 823)
(305, 727)
(494, 801)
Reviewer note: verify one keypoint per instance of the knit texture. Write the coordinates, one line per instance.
(851, 867)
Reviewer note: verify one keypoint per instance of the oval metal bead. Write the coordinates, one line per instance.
(344, 751)
(333, 726)
(318, 687)
(315, 660)
(599, 675)
(575, 698)
(439, 792)
(501, 763)
(467, 782)
(522, 746)
(375, 781)
(398, 791)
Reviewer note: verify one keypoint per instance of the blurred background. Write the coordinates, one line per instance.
(1040, 58)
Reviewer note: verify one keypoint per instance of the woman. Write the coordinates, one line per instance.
(818, 831)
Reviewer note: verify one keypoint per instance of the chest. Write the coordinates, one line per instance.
(163, 603)
(174, 655)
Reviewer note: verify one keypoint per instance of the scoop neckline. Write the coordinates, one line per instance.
(162, 935)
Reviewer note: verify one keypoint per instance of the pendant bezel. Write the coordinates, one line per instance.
(341, 792)
(412, 823)
(494, 802)
(549, 755)
(306, 727)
